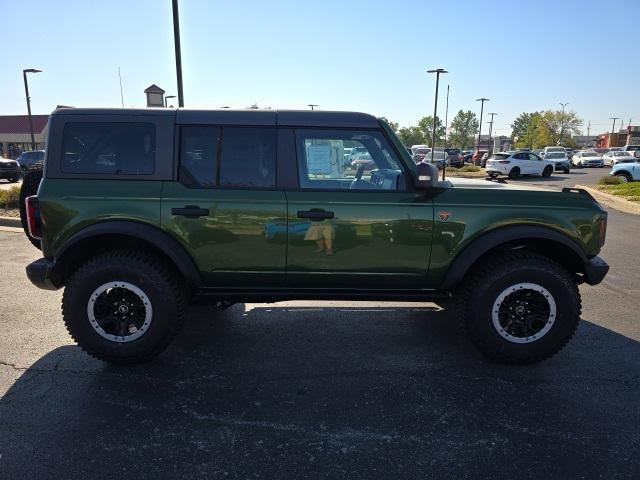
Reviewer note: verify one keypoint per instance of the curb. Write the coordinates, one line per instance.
(10, 222)
(613, 201)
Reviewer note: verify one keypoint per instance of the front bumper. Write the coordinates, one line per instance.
(42, 274)
(561, 166)
(595, 270)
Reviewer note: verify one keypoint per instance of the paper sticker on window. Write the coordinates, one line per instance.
(319, 159)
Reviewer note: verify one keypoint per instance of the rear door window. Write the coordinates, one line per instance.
(109, 148)
(248, 157)
(198, 156)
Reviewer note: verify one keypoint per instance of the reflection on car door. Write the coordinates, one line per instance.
(536, 164)
(355, 226)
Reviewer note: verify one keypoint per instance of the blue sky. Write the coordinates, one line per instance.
(343, 55)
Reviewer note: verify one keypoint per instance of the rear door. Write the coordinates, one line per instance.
(355, 225)
(225, 204)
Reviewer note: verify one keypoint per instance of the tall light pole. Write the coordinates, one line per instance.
(167, 98)
(176, 42)
(446, 124)
(437, 71)
(613, 129)
(562, 122)
(26, 92)
(480, 125)
(489, 149)
(313, 105)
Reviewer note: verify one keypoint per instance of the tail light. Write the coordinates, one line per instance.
(33, 216)
(603, 229)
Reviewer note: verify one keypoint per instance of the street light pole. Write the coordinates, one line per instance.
(313, 105)
(437, 71)
(26, 92)
(489, 149)
(480, 125)
(562, 121)
(167, 98)
(446, 124)
(176, 41)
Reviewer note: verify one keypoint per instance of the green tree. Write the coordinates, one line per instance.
(426, 127)
(411, 136)
(463, 127)
(524, 129)
(393, 125)
(554, 124)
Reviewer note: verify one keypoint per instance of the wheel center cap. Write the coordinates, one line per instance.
(123, 309)
(519, 310)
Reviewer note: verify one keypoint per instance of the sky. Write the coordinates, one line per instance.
(369, 56)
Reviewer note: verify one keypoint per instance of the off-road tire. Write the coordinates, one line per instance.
(153, 276)
(547, 171)
(566, 170)
(493, 275)
(514, 173)
(30, 184)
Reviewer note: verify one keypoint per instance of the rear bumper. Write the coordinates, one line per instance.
(42, 275)
(595, 270)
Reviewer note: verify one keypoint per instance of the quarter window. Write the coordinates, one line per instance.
(109, 148)
(346, 160)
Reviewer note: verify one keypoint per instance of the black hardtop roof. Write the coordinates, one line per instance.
(292, 118)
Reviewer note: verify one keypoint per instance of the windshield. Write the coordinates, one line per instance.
(553, 155)
(420, 151)
(555, 149)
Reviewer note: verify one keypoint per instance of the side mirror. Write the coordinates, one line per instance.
(426, 175)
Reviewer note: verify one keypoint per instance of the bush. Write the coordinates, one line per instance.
(470, 168)
(10, 198)
(610, 180)
(452, 169)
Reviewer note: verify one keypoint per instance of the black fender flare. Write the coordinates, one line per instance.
(499, 236)
(145, 232)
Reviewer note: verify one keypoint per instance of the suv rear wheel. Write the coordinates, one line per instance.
(519, 308)
(514, 173)
(123, 306)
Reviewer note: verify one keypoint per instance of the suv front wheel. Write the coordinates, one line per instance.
(123, 306)
(519, 307)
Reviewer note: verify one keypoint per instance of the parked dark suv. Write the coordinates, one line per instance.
(31, 160)
(141, 212)
(9, 170)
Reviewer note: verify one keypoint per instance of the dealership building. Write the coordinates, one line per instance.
(15, 134)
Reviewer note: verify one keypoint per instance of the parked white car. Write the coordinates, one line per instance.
(553, 149)
(515, 164)
(587, 158)
(419, 152)
(613, 157)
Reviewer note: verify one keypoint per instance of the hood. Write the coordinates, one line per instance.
(482, 184)
(7, 160)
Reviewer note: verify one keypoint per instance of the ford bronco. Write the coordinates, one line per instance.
(143, 211)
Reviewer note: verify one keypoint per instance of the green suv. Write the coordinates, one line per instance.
(142, 212)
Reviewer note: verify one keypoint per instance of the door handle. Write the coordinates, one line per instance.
(190, 211)
(315, 214)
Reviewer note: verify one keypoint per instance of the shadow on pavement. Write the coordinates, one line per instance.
(277, 392)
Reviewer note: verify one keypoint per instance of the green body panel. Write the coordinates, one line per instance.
(381, 240)
(68, 206)
(229, 246)
(474, 210)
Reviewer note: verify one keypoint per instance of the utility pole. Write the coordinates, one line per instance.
(613, 129)
(313, 105)
(489, 148)
(562, 122)
(480, 125)
(446, 124)
(588, 133)
(437, 71)
(176, 41)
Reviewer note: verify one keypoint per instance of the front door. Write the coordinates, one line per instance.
(226, 206)
(352, 224)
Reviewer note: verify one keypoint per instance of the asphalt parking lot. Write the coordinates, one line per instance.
(322, 389)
